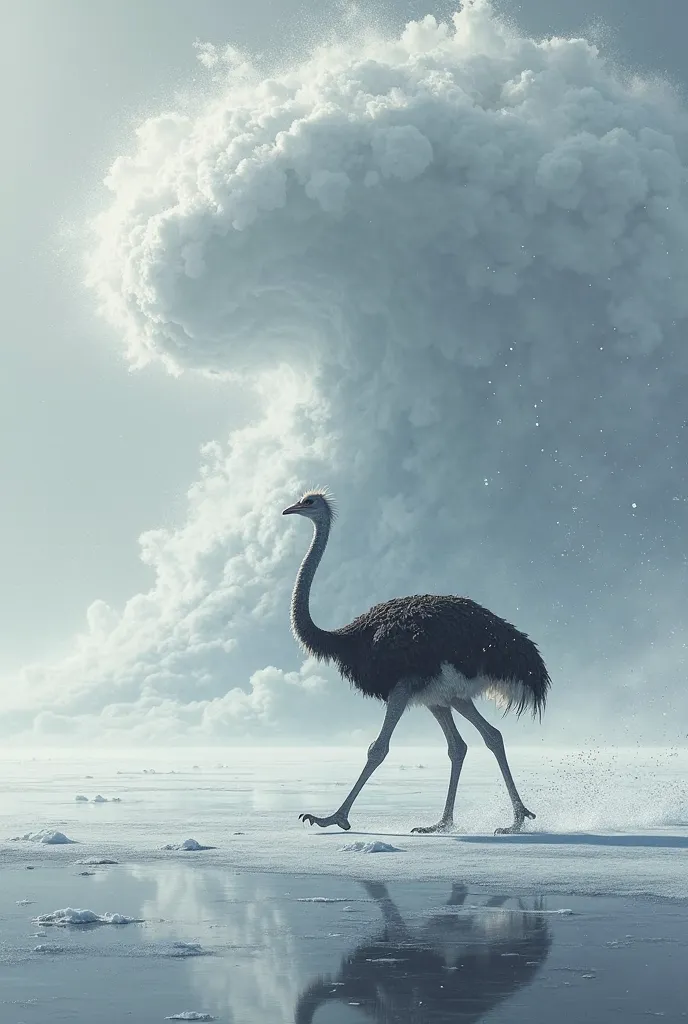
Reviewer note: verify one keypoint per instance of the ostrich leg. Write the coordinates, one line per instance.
(395, 926)
(459, 892)
(456, 749)
(377, 752)
(495, 743)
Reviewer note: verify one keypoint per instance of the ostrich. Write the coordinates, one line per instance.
(438, 652)
(456, 965)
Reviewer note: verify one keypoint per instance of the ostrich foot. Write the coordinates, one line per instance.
(519, 817)
(338, 818)
(442, 826)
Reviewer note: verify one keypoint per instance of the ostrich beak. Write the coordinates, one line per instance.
(292, 509)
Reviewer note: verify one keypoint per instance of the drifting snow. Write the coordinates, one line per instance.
(70, 916)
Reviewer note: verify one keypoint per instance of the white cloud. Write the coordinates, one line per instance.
(454, 267)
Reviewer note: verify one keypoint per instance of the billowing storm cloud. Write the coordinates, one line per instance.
(453, 267)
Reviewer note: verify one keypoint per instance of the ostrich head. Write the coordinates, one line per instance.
(318, 506)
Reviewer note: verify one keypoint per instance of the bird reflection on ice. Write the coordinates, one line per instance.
(447, 967)
(284, 948)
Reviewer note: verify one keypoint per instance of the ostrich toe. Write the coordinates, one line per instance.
(334, 819)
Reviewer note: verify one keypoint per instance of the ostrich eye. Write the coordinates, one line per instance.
(308, 501)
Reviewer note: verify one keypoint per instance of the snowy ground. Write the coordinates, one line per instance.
(608, 822)
(192, 877)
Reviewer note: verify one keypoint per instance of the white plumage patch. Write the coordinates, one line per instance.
(451, 685)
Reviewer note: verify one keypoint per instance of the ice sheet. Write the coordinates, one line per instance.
(608, 821)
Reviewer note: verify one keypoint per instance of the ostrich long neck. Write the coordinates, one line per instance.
(317, 641)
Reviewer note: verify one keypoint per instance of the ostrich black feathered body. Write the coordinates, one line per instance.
(418, 637)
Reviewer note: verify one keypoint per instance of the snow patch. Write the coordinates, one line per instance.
(81, 798)
(70, 916)
(46, 836)
(188, 844)
(374, 847)
(190, 1015)
(385, 960)
(91, 861)
(183, 949)
(319, 899)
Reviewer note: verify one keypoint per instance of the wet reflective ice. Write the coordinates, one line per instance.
(449, 965)
(275, 949)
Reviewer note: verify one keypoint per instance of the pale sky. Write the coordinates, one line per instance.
(91, 455)
(95, 454)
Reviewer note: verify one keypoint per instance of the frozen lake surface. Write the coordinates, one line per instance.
(193, 880)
